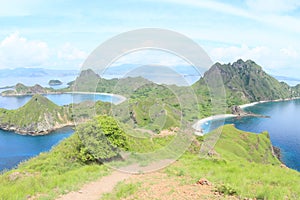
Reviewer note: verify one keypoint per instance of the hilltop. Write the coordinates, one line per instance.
(243, 81)
(158, 107)
(241, 165)
(37, 117)
(246, 81)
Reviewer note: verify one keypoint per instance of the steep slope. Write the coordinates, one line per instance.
(237, 145)
(241, 166)
(37, 117)
(247, 82)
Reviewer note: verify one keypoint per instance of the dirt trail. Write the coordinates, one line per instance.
(94, 190)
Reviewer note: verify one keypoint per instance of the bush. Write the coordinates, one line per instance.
(226, 189)
(100, 139)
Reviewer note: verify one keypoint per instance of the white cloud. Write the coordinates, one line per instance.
(151, 57)
(280, 61)
(17, 51)
(69, 52)
(233, 53)
(278, 6)
(289, 52)
(275, 19)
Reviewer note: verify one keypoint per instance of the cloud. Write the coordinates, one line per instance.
(17, 51)
(151, 57)
(278, 6)
(255, 10)
(69, 52)
(289, 52)
(281, 61)
(233, 53)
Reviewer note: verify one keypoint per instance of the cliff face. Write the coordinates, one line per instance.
(38, 117)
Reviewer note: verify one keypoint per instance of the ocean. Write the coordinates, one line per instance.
(15, 148)
(283, 127)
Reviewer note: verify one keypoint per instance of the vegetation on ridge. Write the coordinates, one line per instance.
(241, 164)
(38, 116)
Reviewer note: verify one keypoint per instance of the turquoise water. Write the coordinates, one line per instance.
(16, 148)
(283, 127)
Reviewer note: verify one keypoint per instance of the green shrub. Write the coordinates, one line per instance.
(226, 189)
(100, 139)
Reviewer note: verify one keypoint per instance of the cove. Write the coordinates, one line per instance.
(15, 148)
(283, 127)
(14, 102)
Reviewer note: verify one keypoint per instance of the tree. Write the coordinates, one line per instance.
(102, 139)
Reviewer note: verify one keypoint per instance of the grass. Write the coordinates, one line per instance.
(122, 190)
(49, 174)
(251, 180)
(39, 109)
(243, 165)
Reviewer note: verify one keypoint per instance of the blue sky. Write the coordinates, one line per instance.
(60, 34)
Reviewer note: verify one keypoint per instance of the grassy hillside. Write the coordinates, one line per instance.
(50, 174)
(241, 164)
(246, 82)
(38, 116)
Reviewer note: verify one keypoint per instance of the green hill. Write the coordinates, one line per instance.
(241, 164)
(235, 145)
(246, 82)
(38, 116)
(89, 81)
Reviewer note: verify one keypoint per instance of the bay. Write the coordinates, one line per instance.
(16, 148)
(14, 102)
(283, 127)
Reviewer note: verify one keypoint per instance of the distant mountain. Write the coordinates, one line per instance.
(21, 89)
(35, 72)
(37, 117)
(89, 81)
(286, 78)
(289, 80)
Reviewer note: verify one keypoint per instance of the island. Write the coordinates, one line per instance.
(23, 90)
(55, 82)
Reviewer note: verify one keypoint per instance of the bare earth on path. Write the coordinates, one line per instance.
(94, 190)
(158, 185)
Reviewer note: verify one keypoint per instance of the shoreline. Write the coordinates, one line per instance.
(120, 97)
(198, 125)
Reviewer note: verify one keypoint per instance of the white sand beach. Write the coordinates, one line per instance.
(120, 97)
(198, 125)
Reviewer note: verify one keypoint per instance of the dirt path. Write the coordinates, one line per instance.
(94, 190)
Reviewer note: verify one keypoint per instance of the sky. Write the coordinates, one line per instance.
(61, 34)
